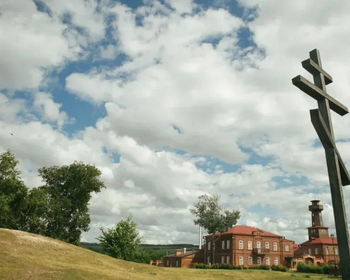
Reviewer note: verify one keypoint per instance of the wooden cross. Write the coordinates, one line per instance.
(322, 122)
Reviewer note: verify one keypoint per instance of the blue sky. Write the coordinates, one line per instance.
(172, 100)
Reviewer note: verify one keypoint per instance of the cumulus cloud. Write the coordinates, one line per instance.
(188, 110)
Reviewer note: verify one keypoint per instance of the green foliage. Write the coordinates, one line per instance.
(145, 256)
(212, 216)
(13, 193)
(309, 268)
(65, 195)
(279, 268)
(122, 241)
(264, 267)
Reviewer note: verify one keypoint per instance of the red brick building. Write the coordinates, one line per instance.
(320, 248)
(183, 258)
(249, 246)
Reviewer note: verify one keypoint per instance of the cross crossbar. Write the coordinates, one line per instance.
(328, 143)
(314, 69)
(318, 94)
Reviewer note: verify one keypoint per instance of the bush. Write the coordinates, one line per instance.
(309, 268)
(264, 267)
(278, 268)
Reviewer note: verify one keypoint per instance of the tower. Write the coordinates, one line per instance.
(317, 229)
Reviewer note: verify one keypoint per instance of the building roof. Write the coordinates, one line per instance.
(247, 230)
(327, 241)
(188, 253)
(295, 247)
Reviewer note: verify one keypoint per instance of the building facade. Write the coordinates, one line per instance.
(248, 246)
(183, 258)
(321, 248)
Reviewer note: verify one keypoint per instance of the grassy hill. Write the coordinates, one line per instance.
(28, 256)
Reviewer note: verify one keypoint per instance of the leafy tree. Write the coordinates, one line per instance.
(122, 241)
(68, 192)
(212, 216)
(13, 193)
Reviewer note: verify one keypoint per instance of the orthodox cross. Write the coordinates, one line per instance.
(322, 122)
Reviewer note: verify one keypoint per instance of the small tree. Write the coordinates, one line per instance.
(122, 241)
(213, 217)
(13, 193)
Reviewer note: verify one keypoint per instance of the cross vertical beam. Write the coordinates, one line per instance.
(337, 173)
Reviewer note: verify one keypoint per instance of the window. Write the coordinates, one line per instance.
(310, 251)
(258, 260)
(250, 261)
(327, 251)
(335, 251)
(208, 245)
(276, 261)
(227, 259)
(228, 244)
(275, 246)
(258, 245)
(250, 245)
(241, 261)
(177, 263)
(223, 244)
(267, 261)
(222, 259)
(316, 251)
(267, 245)
(240, 244)
(208, 260)
(286, 248)
(167, 262)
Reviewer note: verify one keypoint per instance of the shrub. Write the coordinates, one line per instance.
(264, 267)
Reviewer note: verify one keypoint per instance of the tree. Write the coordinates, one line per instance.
(68, 192)
(213, 217)
(122, 241)
(13, 193)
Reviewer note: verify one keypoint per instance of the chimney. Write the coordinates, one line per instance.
(200, 238)
(178, 252)
(184, 250)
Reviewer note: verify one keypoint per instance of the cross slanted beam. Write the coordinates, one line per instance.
(328, 142)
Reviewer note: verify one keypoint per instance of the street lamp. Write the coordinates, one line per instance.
(335, 261)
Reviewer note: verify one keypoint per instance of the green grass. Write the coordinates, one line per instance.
(28, 256)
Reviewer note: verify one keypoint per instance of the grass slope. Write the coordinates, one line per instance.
(29, 256)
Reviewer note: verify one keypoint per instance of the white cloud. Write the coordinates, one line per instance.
(178, 91)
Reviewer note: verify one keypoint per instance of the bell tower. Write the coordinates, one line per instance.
(317, 229)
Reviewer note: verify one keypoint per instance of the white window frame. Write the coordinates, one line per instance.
(222, 259)
(327, 251)
(167, 262)
(228, 259)
(241, 260)
(309, 250)
(177, 263)
(267, 260)
(275, 261)
(208, 246)
(228, 244)
(275, 246)
(250, 245)
(258, 260)
(316, 251)
(223, 245)
(336, 251)
(208, 260)
(258, 245)
(286, 248)
(250, 260)
(268, 245)
(240, 244)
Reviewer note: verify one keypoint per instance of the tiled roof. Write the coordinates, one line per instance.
(327, 240)
(247, 230)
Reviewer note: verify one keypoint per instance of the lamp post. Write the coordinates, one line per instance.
(335, 261)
